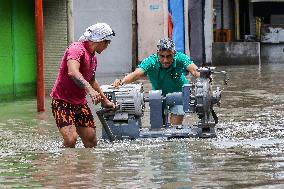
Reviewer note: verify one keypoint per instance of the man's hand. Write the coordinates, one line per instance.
(117, 83)
(95, 96)
(108, 104)
(129, 78)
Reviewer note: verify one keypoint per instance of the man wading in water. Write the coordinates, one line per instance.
(166, 71)
(76, 79)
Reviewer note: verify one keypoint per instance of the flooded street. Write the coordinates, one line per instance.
(247, 153)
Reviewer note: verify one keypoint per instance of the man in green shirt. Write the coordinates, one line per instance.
(166, 71)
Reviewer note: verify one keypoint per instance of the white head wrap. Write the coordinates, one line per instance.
(98, 32)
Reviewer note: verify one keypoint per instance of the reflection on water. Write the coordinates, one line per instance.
(248, 152)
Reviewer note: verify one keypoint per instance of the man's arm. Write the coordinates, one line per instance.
(77, 77)
(192, 68)
(133, 76)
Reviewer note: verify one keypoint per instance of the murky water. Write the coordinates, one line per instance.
(248, 152)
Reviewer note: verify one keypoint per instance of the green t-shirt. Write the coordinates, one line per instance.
(166, 79)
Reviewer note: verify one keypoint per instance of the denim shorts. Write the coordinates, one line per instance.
(176, 110)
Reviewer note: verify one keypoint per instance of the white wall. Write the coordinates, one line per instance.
(152, 16)
(117, 58)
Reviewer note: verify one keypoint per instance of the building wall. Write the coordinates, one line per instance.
(55, 38)
(117, 58)
(236, 53)
(176, 10)
(152, 16)
(17, 52)
(272, 53)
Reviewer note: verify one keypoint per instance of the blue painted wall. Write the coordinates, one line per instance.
(176, 9)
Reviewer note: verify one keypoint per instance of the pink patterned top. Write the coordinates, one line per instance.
(65, 88)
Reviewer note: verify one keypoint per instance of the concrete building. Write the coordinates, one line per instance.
(248, 31)
(213, 32)
(138, 26)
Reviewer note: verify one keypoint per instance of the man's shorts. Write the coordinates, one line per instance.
(176, 110)
(68, 114)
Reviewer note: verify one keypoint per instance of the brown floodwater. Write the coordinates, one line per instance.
(247, 153)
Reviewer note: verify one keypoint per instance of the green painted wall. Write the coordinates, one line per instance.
(17, 52)
(6, 61)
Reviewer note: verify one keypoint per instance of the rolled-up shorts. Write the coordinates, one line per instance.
(68, 114)
(176, 110)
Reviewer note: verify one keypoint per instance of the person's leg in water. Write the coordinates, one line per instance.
(64, 117)
(86, 127)
(177, 114)
(69, 135)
